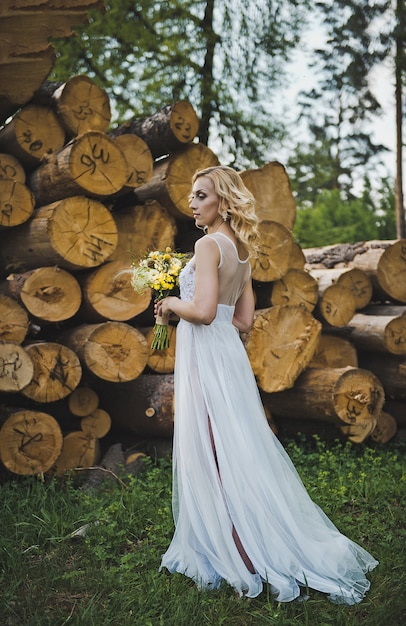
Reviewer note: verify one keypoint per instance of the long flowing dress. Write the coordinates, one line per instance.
(232, 475)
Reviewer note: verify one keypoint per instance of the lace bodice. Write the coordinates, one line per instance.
(187, 282)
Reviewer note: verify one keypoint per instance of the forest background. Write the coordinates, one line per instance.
(233, 59)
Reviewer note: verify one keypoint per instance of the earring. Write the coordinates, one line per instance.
(224, 215)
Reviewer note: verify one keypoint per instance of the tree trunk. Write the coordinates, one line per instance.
(171, 180)
(14, 322)
(346, 395)
(294, 288)
(113, 460)
(97, 424)
(75, 233)
(16, 367)
(50, 294)
(356, 280)
(112, 351)
(275, 252)
(357, 433)
(92, 164)
(162, 361)
(281, 344)
(109, 295)
(391, 371)
(141, 229)
(391, 271)
(32, 134)
(83, 401)
(139, 160)
(385, 428)
(271, 189)
(143, 406)
(16, 203)
(80, 104)
(79, 449)
(11, 168)
(378, 333)
(334, 352)
(57, 372)
(336, 306)
(30, 442)
(166, 131)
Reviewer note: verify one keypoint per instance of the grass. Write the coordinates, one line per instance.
(110, 576)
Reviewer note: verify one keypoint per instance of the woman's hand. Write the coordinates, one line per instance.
(162, 308)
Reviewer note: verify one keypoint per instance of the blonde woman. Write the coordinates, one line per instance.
(241, 512)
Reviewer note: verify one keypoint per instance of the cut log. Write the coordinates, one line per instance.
(162, 361)
(16, 203)
(30, 442)
(112, 461)
(274, 255)
(294, 288)
(83, 401)
(143, 406)
(109, 295)
(16, 367)
(166, 131)
(391, 371)
(357, 433)
(57, 372)
(271, 189)
(171, 180)
(139, 160)
(49, 293)
(356, 280)
(341, 395)
(142, 229)
(11, 168)
(34, 132)
(297, 259)
(75, 233)
(334, 352)
(79, 449)
(385, 429)
(391, 271)
(97, 424)
(378, 333)
(14, 322)
(112, 351)
(80, 104)
(336, 306)
(281, 344)
(91, 164)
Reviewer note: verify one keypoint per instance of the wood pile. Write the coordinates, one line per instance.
(79, 201)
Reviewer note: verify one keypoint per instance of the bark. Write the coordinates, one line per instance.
(281, 344)
(391, 371)
(75, 233)
(91, 164)
(30, 442)
(379, 333)
(165, 132)
(112, 351)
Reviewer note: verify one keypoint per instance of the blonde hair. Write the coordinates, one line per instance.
(237, 202)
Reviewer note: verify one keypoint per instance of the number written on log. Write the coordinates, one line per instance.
(6, 213)
(60, 371)
(27, 438)
(184, 127)
(95, 248)
(7, 171)
(35, 144)
(375, 399)
(9, 366)
(97, 154)
(83, 111)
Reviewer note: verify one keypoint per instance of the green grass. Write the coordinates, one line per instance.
(110, 577)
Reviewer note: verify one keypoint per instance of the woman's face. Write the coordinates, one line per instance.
(204, 202)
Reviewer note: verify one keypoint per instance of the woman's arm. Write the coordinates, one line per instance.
(244, 309)
(203, 308)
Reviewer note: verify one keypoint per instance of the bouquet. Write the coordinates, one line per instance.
(159, 271)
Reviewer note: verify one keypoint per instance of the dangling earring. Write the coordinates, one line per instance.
(224, 215)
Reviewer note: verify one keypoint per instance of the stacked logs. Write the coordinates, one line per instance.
(71, 325)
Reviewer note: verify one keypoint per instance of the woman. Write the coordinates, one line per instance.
(241, 511)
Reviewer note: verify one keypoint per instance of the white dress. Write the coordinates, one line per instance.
(244, 479)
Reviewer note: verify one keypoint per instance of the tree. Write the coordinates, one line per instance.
(224, 57)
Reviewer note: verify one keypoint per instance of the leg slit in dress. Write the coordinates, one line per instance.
(237, 540)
